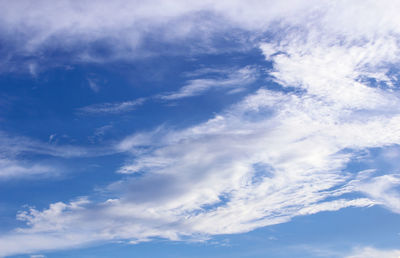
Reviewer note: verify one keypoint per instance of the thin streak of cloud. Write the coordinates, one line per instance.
(233, 80)
(112, 108)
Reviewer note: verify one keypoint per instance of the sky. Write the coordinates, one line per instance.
(199, 128)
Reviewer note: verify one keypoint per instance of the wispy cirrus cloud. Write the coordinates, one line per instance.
(382, 188)
(16, 153)
(12, 168)
(263, 161)
(231, 79)
(13, 145)
(112, 108)
(93, 84)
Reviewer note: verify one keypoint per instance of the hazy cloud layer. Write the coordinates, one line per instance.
(370, 252)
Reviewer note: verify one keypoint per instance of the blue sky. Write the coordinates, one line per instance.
(199, 129)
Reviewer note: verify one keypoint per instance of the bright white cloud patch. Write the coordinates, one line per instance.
(277, 154)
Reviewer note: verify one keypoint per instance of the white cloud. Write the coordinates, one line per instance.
(38, 256)
(128, 22)
(123, 26)
(273, 156)
(370, 252)
(11, 168)
(12, 146)
(93, 84)
(112, 108)
(383, 189)
(235, 79)
(338, 67)
(99, 133)
(228, 79)
(17, 153)
(265, 160)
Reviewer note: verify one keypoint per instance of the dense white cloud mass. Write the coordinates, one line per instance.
(274, 155)
(127, 23)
